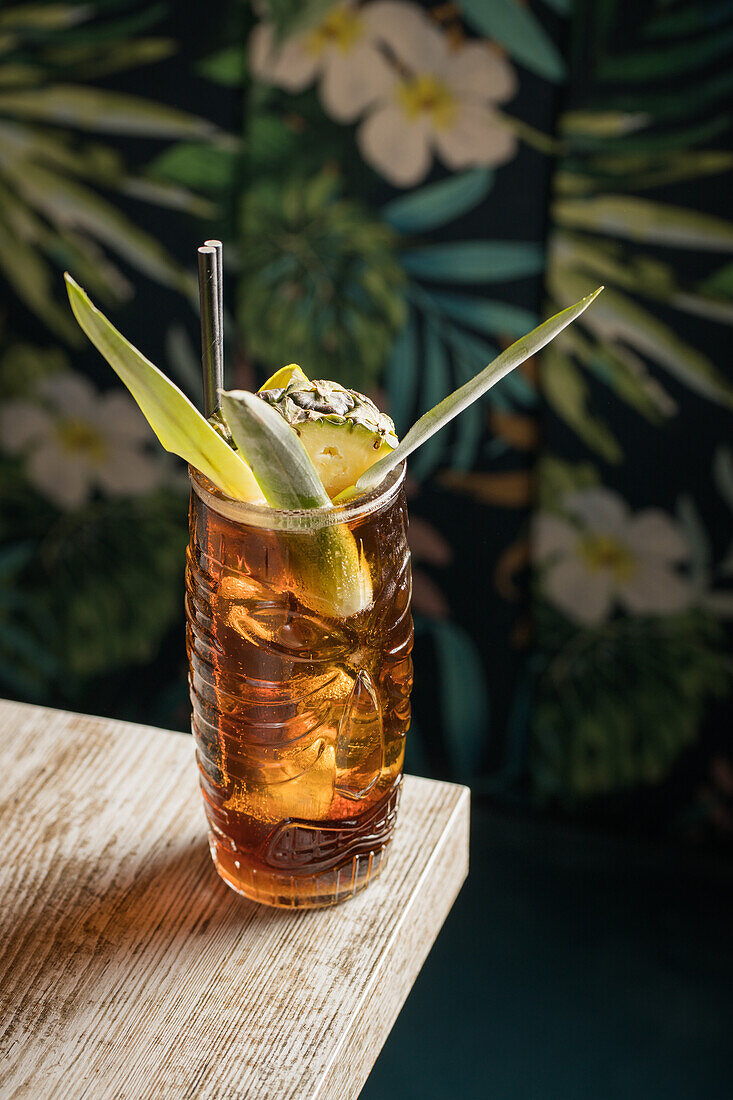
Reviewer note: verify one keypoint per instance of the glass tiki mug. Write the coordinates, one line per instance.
(299, 715)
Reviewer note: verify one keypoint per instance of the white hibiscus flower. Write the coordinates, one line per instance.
(340, 49)
(424, 95)
(603, 555)
(76, 439)
(441, 102)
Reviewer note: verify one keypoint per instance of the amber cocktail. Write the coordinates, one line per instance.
(299, 716)
(299, 631)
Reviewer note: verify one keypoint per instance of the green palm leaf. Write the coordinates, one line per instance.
(401, 375)
(604, 233)
(635, 172)
(42, 17)
(675, 106)
(689, 20)
(519, 31)
(436, 371)
(619, 318)
(90, 65)
(105, 112)
(646, 277)
(645, 221)
(493, 318)
(566, 390)
(67, 203)
(438, 203)
(48, 216)
(27, 272)
(669, 61)
(474, 261)
(622, 370)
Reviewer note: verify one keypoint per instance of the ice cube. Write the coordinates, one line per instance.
(360, 740)
(279, 784)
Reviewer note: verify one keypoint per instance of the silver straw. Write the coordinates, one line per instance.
(217, 245)
(211, 343)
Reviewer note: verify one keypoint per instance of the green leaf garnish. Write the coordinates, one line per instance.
(279, 461)
(178, 424)
(332, 575)
(437, 417)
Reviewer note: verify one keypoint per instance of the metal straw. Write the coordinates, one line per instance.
(211, 344)
(219, 287)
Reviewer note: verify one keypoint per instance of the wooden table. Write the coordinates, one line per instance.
(127, 969)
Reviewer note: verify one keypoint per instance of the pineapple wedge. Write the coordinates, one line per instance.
(343, 431)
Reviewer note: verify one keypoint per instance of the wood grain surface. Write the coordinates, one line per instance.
(127, 968)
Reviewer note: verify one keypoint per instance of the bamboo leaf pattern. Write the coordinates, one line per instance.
(51, 172)
(651, 118)
(601, 231)
(103, 112)
(645, 221)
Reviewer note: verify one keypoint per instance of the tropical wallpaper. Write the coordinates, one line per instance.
(402, 190)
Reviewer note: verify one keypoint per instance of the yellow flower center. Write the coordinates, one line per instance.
(340, 29)
(424, 95)
(601, 553)
(82, 439)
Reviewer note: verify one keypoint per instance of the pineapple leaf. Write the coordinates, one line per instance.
(331, 573)
(178, 424)
(280, 379)
(279, 461)
(437, 417)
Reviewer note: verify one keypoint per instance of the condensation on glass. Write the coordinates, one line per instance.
(299, 717)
